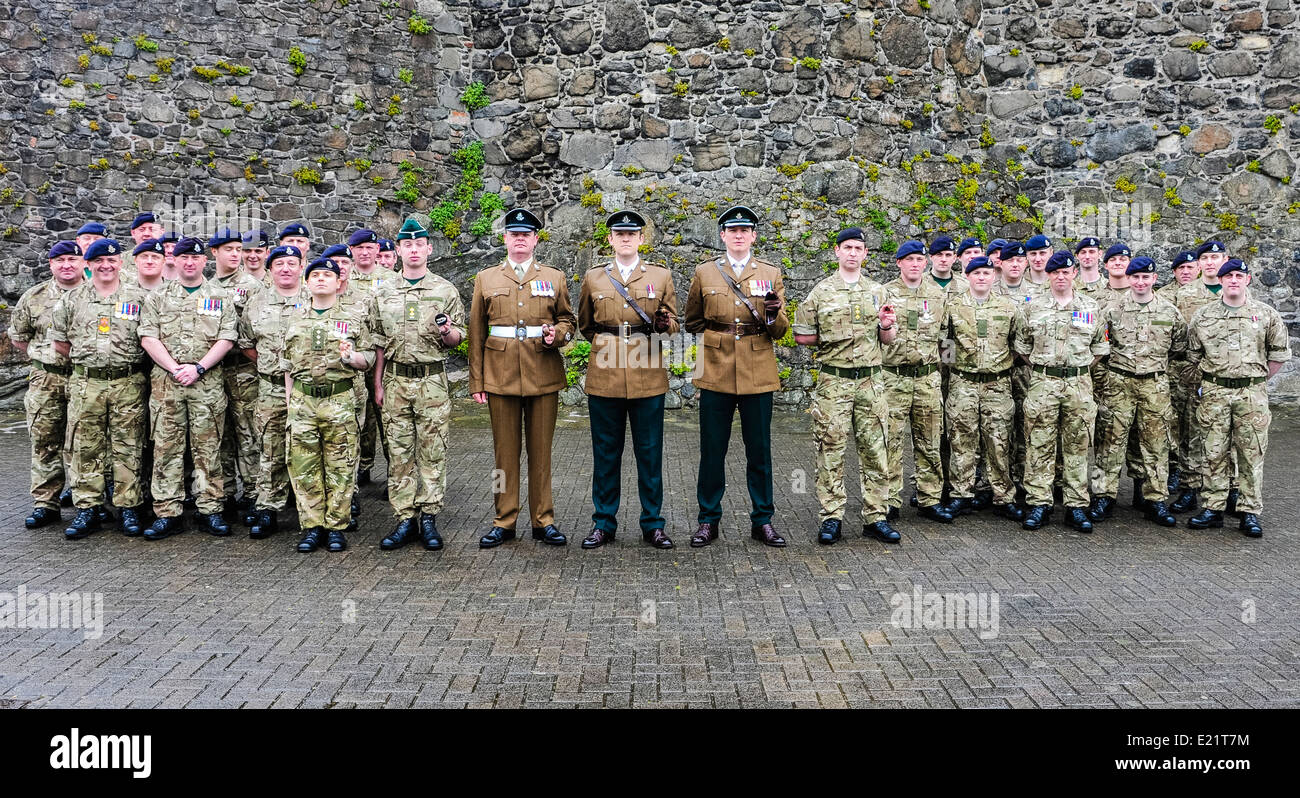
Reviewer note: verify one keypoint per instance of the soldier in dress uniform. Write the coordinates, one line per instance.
(519, 318)
(912, 383)
(980, 406)
(46, 400)
(261, 338)
(1146, 332)
(1061, 334)
(325, 346)
(187, 327)
(847, 316)
(95, 325)
(416, 322)
(1237, 342)
(623, 309)
(736, 305)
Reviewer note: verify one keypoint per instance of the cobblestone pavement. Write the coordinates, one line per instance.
(1131, 616)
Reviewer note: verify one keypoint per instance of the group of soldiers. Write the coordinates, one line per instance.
(1026, 376)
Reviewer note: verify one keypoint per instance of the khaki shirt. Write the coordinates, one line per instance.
(724, 362)
(630, 367)
(401, 317)
(1237, 342)
(311, 344)
(101, 330)
(1069, 337)
(510, 366)
(264, 323)
(920, 314)
(32, 321)
(983, 332)
(1145, 337)
(844, 317)
(189, 324)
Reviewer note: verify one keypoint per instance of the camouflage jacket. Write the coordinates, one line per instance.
(982, 332)
(32, 319)
(103, 330)
(189, 324)
(264, 323)
(403, 318)
(920, 314)
(1050, 335)
(843, 316)
(1145, 337)
(1237, 342)
(311, 344)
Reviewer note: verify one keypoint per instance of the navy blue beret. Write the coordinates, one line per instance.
(169, 237)
(1210, 246)
(92, 228)
(969, 243)
(1012, 249)
(363, 236)
(995, 246)
(1186, 256)
(912, 247)
(1233, 265)
(256, 238)
(283, 251)
(322, 263)
(1115, 251)
(62, 248)
(850, 234)
(942, 244)
(150, 245)
(387, 245)
(102, 247)
(1087, 241)
(190, 246)
(144, 218)
(1141, 265)
(1061, 259)
(978, 262)
(224, 236)
(1039, 241)
(295, 229)
(336, 250)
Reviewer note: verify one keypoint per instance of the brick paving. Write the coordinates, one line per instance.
(1131, 616)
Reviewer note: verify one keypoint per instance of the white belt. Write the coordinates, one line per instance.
(515, 332)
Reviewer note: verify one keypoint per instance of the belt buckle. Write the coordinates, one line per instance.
(521, 332)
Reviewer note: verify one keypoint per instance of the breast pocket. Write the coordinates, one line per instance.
(725, 308)
(836, 324)
(504, 307)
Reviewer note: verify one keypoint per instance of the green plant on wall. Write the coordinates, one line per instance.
(475, 96)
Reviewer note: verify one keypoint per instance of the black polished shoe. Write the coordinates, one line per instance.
(1012, 511)
(882, 531)
(961, 506)
(214, 523)
(1139, 501)
(164, 528)
(42, 516)
(1174, 482)
(131, 522)
(429, 532)
(65, 497)
(495, 537)
(85, 522)
(1186, 502)
(597, 538)
(1231, 507)
(404, 533)
(1250, 526)
(1205, 519)
(830, 531)
(267, 524)
(892, 515)
(1037, 516)
(657, 538)
(1077, 518)
(983, 500)
(1158, 513)
(705, 534)
(363, 476)
(337, 542)
(936, 512)
(768, 536)
(311, 539)
(1102, 507)
(549, 534)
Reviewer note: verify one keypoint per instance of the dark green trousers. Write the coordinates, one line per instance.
(716, 412)
(610, 418)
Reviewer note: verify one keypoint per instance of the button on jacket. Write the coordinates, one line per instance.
(725, 363)
(632, 366)
(510, 366)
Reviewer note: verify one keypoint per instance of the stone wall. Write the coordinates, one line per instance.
(1164, 123)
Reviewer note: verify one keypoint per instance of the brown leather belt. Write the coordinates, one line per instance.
(737, 330)
(415, 370)
(625, 329)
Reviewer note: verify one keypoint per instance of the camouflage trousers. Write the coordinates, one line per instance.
(323, 443)
(106, 435)
(1053, 405)
(1180, 429)
(372, 431)
(417, 415)
(1235, 423)
(980, 420)
(1019, 388)
(844, 408)
(240, 443)
(187, 419)
(1101, 377)
(915, 404)
(1133, 407)
(272, 464)
(46, 403)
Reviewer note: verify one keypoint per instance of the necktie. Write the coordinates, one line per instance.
(520, 270)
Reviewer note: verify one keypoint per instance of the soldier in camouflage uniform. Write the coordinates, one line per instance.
(369, 278)
(1190, 298)
(144, 227)
(358, 306)
(943, 254)
(1061, 334)
(1011, 261)
(1237, 342)
(847, 317)
(416, 322)
(187, 327)
(46, 401)
(325, 345)
(1185, 269)
(980, 408)
(95, 326)
(256, 243)
(1089, 281)
(240, 442)
(1146, 333)
(87, 234)
(387, 257)
(1038, 249)
(296, 235)
(261, 337)
(912, 384)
